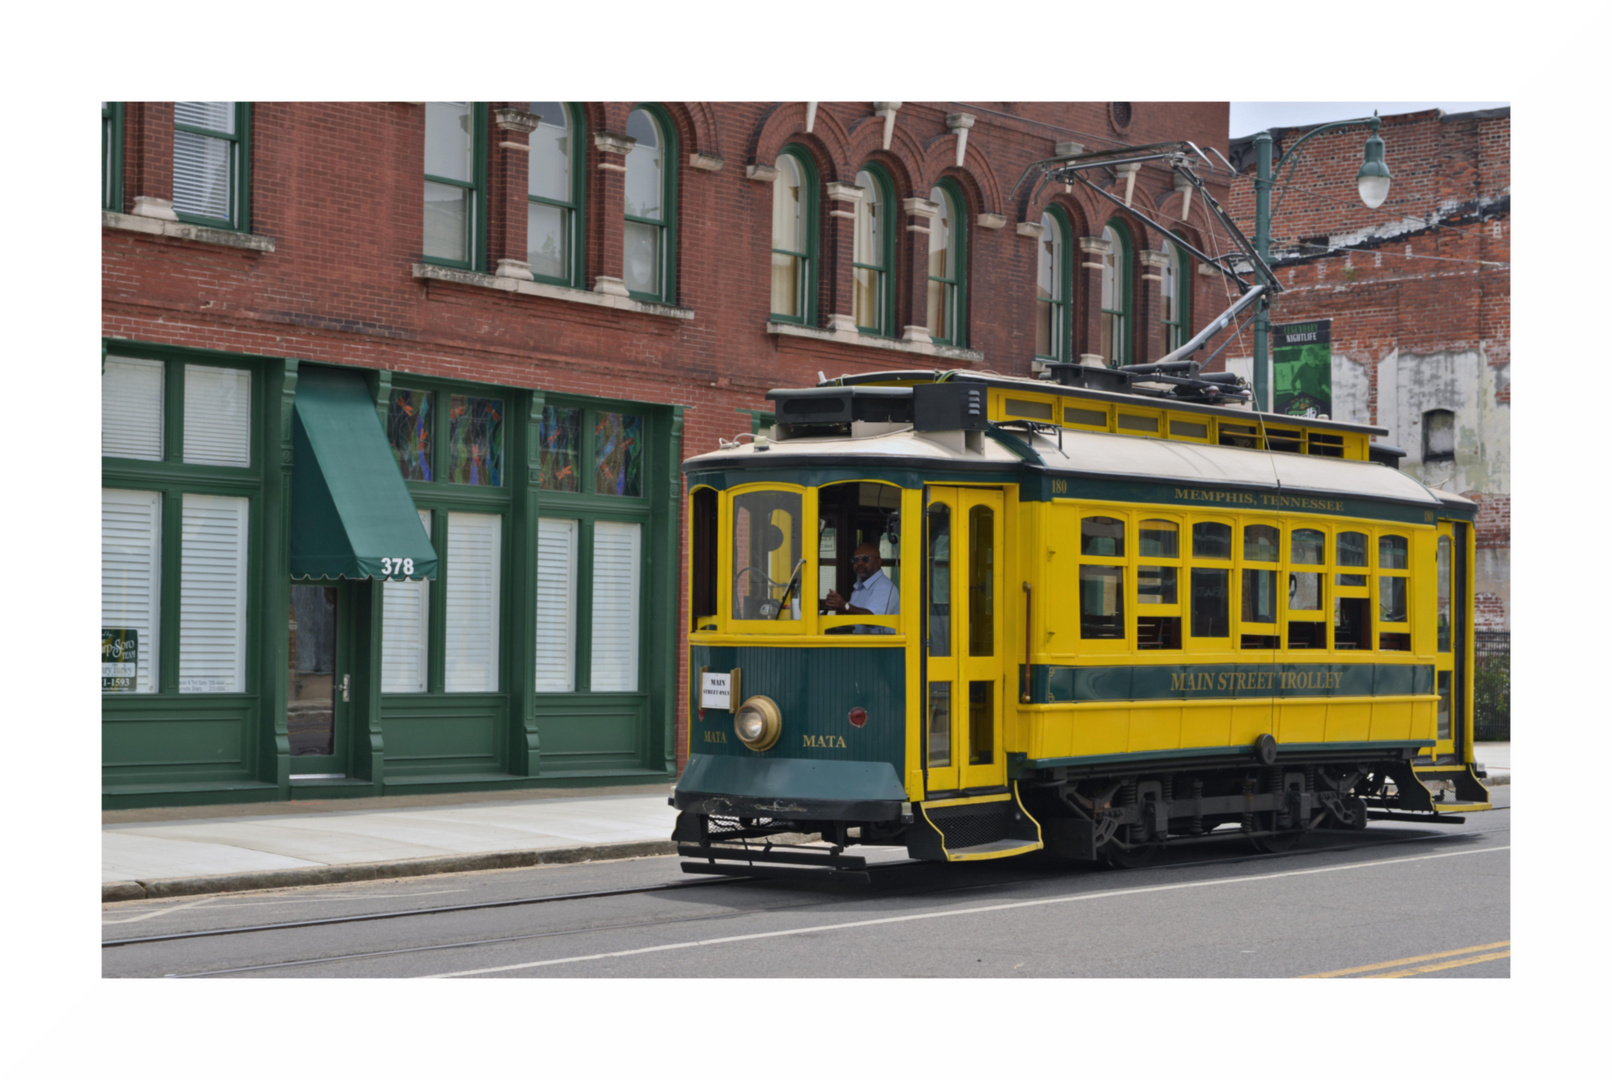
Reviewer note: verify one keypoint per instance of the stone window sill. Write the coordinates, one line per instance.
(868, 341)
(552, 292)
(178, 230)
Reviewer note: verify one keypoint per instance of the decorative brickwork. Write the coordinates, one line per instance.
(337, 190)
(1418, 291)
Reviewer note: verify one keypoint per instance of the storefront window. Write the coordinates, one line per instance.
(618, 450)
(559, 447)
(408, 430)
(475, 440)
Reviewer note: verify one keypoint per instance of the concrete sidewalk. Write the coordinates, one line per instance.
(211, 849)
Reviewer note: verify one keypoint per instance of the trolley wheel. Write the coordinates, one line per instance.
(1130, 858)
(1286, 840)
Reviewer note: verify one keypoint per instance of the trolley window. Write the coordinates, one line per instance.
(1158, 620)
(1103, 537)
(702, 558)
(767, 558)
(1445, 590)
(858, 556)
(1352, 552)
(1393, 588)
(940, 601)
(1211, 540)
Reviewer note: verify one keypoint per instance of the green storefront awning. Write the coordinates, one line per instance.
(351, 514)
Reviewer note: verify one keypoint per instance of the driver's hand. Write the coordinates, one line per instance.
(833, 601)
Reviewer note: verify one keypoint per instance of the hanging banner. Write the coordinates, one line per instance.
(1301, 358)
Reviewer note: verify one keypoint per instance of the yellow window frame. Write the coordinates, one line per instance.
(1126, 642)
(1292, 525)
(1182, 579)
(1240, 553)
(726, 570)
(1191, 642)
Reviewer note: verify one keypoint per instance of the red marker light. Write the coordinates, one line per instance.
(857, 716)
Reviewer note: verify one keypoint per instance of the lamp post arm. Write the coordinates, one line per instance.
(1290, 156)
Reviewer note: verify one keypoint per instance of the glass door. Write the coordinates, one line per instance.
(319, 681)
(964, 647)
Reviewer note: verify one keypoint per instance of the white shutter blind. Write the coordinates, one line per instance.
(404, 631)
(218, 415)
(202, 164)
(556, 605)
(131, 408)
(615, 605)
(471, 635)
(131, 573)
(212, 595)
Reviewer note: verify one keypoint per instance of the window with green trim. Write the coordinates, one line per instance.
(1052, 288)
(872, 254)
(948, 263)
(211, 163)
(179, 490)
(449, 443)
(112, 156)
(554, 216)
(794, 238)
(1175, 296)
(455, 183)
(1116, 298)
(651, 207)
(590, 572)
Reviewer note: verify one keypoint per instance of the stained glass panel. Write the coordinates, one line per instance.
(408, 429)
(618, 452)
(475, 440)
(559, 447)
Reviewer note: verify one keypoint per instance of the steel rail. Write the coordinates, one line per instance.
(336, 920)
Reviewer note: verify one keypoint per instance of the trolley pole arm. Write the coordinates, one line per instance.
(1220, 323)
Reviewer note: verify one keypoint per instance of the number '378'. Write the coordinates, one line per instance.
(397, 566)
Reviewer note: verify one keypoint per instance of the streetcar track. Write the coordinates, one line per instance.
(1374, 843)
(379, 915)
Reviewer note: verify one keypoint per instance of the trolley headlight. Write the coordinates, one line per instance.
(758, 723)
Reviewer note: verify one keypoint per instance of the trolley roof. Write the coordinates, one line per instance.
(1106, 458)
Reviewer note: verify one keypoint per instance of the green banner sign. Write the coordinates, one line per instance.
(1301, 356)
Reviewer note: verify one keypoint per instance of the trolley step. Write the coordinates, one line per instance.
(775, 861)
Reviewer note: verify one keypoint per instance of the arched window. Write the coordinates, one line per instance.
(1438, 435)
(1116, 297)
(1175, 297)
(1052, 288)
(554, 195)
(651, 201)
(794, 238)
(871, 261)
(947, 267)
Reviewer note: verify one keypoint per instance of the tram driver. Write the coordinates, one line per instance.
(873, 594)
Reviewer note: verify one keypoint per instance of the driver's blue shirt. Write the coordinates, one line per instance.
(877, 594)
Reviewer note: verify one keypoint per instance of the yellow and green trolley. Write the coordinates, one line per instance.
(1130, 616)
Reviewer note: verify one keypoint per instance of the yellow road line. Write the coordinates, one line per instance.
(1506, 955)
(1409, 960)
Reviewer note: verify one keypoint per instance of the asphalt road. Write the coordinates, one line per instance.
(1400, 899)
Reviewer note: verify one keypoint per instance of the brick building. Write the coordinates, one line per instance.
(395, 396)
(1419, 294)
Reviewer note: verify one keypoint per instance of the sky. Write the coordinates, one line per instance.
(1248, 117)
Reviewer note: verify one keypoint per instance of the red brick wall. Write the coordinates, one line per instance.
(339, 189)
(1449, 205)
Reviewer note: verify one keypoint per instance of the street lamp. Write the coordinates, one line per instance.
(1372, 180)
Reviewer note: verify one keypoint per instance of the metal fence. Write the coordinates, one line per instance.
(1493, 643)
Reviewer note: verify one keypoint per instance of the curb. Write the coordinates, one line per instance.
(113, 891)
